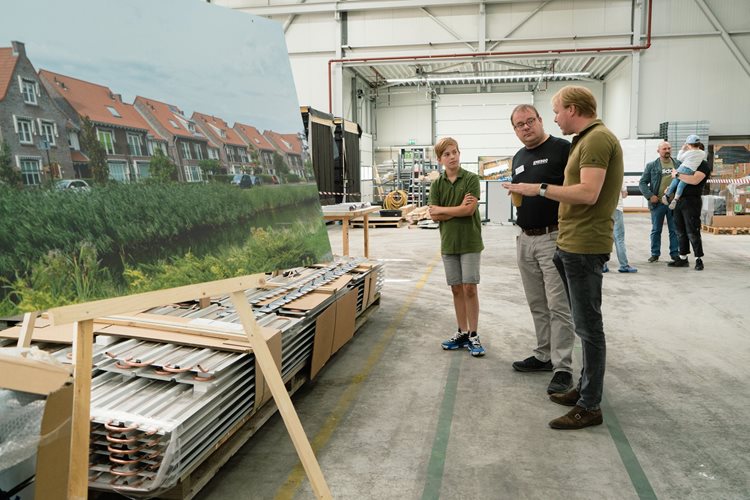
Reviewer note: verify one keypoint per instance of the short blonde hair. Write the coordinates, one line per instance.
(580, 97)
(443, 144)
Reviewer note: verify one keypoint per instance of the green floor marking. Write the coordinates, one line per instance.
(442, 434)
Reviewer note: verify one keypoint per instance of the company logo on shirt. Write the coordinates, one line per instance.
(540, 161)
(666, 171)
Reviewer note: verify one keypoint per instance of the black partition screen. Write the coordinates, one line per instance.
(353, 170)
(319, 129)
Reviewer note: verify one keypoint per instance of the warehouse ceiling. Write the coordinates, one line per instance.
(488, 71)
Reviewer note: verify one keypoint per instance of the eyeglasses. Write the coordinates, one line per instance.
(529, 123)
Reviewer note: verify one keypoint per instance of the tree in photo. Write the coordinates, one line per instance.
(8, 174)
(161, 167)
(210, 167)
(94, 149)
(280, 166)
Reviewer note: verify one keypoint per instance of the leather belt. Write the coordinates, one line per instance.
(538, 231)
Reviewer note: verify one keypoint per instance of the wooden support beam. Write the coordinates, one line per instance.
(78, 473)
(264, 358)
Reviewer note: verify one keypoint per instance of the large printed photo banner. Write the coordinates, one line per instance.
(146, 145)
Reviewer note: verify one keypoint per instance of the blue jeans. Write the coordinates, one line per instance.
(658, 212)
(622, 253)
(582, 277)
(677, 183)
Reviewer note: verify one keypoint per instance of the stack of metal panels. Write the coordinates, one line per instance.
(677, 132)
(158, 409)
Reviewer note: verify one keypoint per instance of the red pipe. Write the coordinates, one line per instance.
(488, 54)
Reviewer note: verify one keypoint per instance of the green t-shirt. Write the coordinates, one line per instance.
(666, 175)
(587, 229)
(459, 234)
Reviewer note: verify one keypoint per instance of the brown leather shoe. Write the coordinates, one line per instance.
(569, 398)
(578, 418)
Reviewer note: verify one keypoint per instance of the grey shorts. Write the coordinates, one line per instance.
(462, 269)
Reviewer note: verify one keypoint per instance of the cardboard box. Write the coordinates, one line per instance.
(53, 452)
(346, 312)
(325, 325)
(731, 221)
(334, 327)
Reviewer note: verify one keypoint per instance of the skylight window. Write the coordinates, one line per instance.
(114, 112)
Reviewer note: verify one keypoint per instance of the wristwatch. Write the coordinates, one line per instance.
(676, 174)
(542, 189)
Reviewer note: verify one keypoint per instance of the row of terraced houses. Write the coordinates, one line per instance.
(41, 114)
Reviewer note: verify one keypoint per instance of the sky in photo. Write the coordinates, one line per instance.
(194, 55)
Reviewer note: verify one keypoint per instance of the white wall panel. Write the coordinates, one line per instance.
(615, 110)
(311, 79)
(560, 18)
(311, 33)
(411, 26)
(693, 79)
(479, 122)
(403, 117)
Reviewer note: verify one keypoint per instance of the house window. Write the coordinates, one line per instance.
(172, 122)
(141, 170)
(192, 173)
(105, 137)
(198, 152)
(29, 90)
(48, 132)
(243, 156)
(114, 112)
(134, 145)
(118, 171)
(31, 171)
(153, 146)
(25, 131)
(213, 153)
(73, 141)
(230, 154)
(186, 151)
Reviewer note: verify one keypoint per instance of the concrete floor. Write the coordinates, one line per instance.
(395, 417)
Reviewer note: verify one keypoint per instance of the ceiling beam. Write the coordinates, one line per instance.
(447, 28)
(519, 24)
(733, 48)
(348, 6)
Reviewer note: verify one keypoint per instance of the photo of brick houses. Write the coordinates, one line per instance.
(42, 114)
(128, 167)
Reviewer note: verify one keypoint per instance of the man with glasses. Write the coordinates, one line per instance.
(542, 160)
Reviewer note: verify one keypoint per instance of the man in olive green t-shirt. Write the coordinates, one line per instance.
(593, 178)
(453, 203)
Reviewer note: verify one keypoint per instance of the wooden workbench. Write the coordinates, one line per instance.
(337, 213)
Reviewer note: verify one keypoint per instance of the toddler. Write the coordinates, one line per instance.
(691, 155)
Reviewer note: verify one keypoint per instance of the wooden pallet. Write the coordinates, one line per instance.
(725, 230)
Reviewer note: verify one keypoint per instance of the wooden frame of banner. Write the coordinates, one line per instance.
(82, 316)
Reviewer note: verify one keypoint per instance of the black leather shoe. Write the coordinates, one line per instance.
(531, 364)
(699, 264)
(679, 263)
(653, 258)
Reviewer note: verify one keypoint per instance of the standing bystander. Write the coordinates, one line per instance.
(656, 177)
(687, 215)
(453, 203)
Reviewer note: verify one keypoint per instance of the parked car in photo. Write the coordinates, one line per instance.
(72, 185)
(245, 180)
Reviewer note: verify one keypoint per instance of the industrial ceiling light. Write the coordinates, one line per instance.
(474, 79)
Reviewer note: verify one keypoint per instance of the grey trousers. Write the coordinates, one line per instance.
(547, 300)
